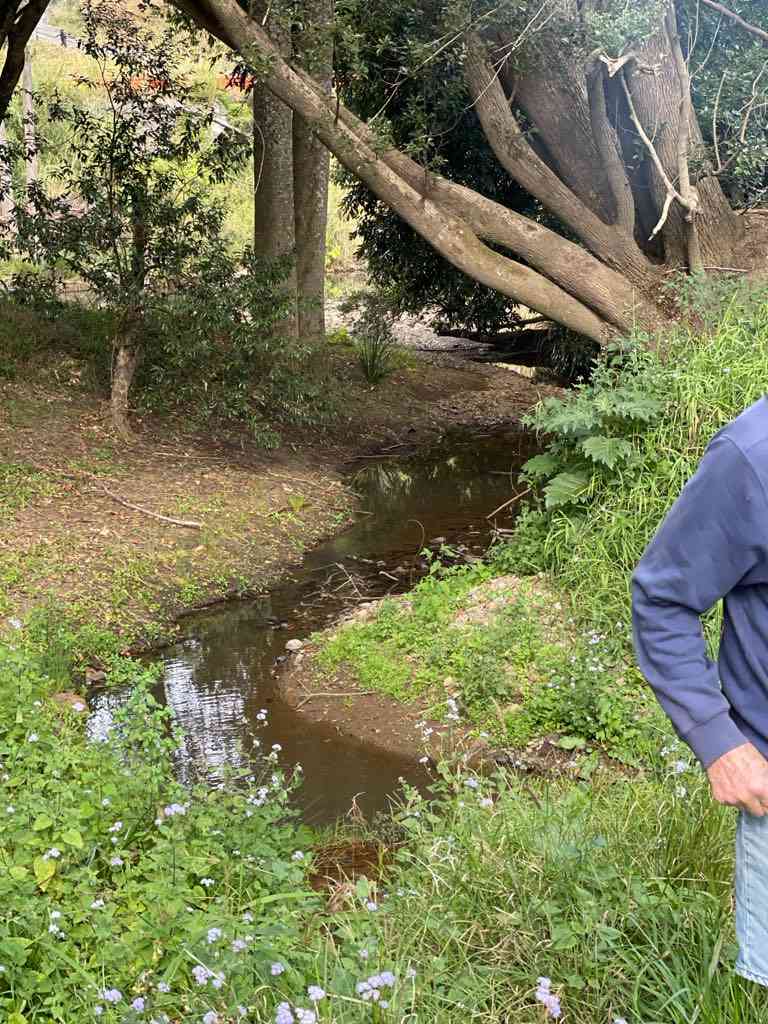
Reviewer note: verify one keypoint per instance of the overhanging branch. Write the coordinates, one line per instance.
(737, 19)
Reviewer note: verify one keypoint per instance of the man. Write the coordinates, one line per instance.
(714, 544)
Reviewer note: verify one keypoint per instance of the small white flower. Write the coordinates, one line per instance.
(116, 827)
(207, 882)
(33, 737)
(97, 905)
(276, 969)
(53, 854)
(116, 862)
(297, 856)
(214, 934)
(315, 993)
(371, 905)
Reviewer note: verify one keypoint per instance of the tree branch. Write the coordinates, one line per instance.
(18, 32)
(688, 195)
(520, 160)
(737, 19)
(608, 147)
(450, 235)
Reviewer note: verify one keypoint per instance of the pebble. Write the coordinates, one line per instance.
(294, 645)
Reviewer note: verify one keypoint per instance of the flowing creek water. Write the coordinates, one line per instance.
(220, 677)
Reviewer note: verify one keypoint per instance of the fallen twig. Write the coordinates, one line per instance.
(514, 497)
(190, 523)
(356, 693)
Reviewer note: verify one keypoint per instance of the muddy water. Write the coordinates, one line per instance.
(221, 677)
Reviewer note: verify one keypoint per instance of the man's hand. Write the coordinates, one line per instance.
(740, 779)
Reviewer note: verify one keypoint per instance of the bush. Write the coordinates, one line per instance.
(620, 449)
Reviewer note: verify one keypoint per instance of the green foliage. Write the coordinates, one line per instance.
(113, 874)
(375, 342)
(663, 412)
(594, 428)
(619, 892)
(503, 649)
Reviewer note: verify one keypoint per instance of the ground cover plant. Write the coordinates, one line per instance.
(508, 655)
(129, 897)
(621, 447)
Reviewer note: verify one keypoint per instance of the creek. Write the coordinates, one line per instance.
(220, 678)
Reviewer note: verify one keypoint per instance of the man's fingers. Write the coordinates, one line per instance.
(754, 807)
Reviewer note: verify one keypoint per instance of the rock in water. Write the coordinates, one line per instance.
(294, 645)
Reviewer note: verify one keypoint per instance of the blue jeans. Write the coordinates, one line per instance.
(752, 898)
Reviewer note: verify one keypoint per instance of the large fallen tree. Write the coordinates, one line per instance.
(562, 128)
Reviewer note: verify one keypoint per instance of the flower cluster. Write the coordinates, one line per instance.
(547, 998)
(370, 989)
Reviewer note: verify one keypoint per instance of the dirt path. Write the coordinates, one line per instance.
(66, 543)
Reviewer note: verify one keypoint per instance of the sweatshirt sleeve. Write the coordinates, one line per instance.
(708, 542)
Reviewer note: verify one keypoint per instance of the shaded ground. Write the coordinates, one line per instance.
(65, 541)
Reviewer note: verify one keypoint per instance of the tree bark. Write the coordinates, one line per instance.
(30, 132)
(274, 234)
(313, 46)
(17, 23)
(613, 245)
(127, 353)
(656, 89)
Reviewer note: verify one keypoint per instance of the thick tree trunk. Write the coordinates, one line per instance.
(313, 46)
(613, 244)
(274, 234)
(654, 83)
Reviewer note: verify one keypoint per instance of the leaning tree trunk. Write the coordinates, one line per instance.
(311, 166)
(18, 21)
(274, 234)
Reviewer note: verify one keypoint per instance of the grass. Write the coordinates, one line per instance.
(508, 649)
(708, 377)
(619, 891)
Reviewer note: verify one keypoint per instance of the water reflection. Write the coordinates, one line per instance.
(218, 681)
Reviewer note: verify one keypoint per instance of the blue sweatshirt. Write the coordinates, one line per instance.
(713, 544)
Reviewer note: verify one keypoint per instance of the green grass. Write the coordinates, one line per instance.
(20, 485)
(505, 651)
(618, 891)
(707, 377)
